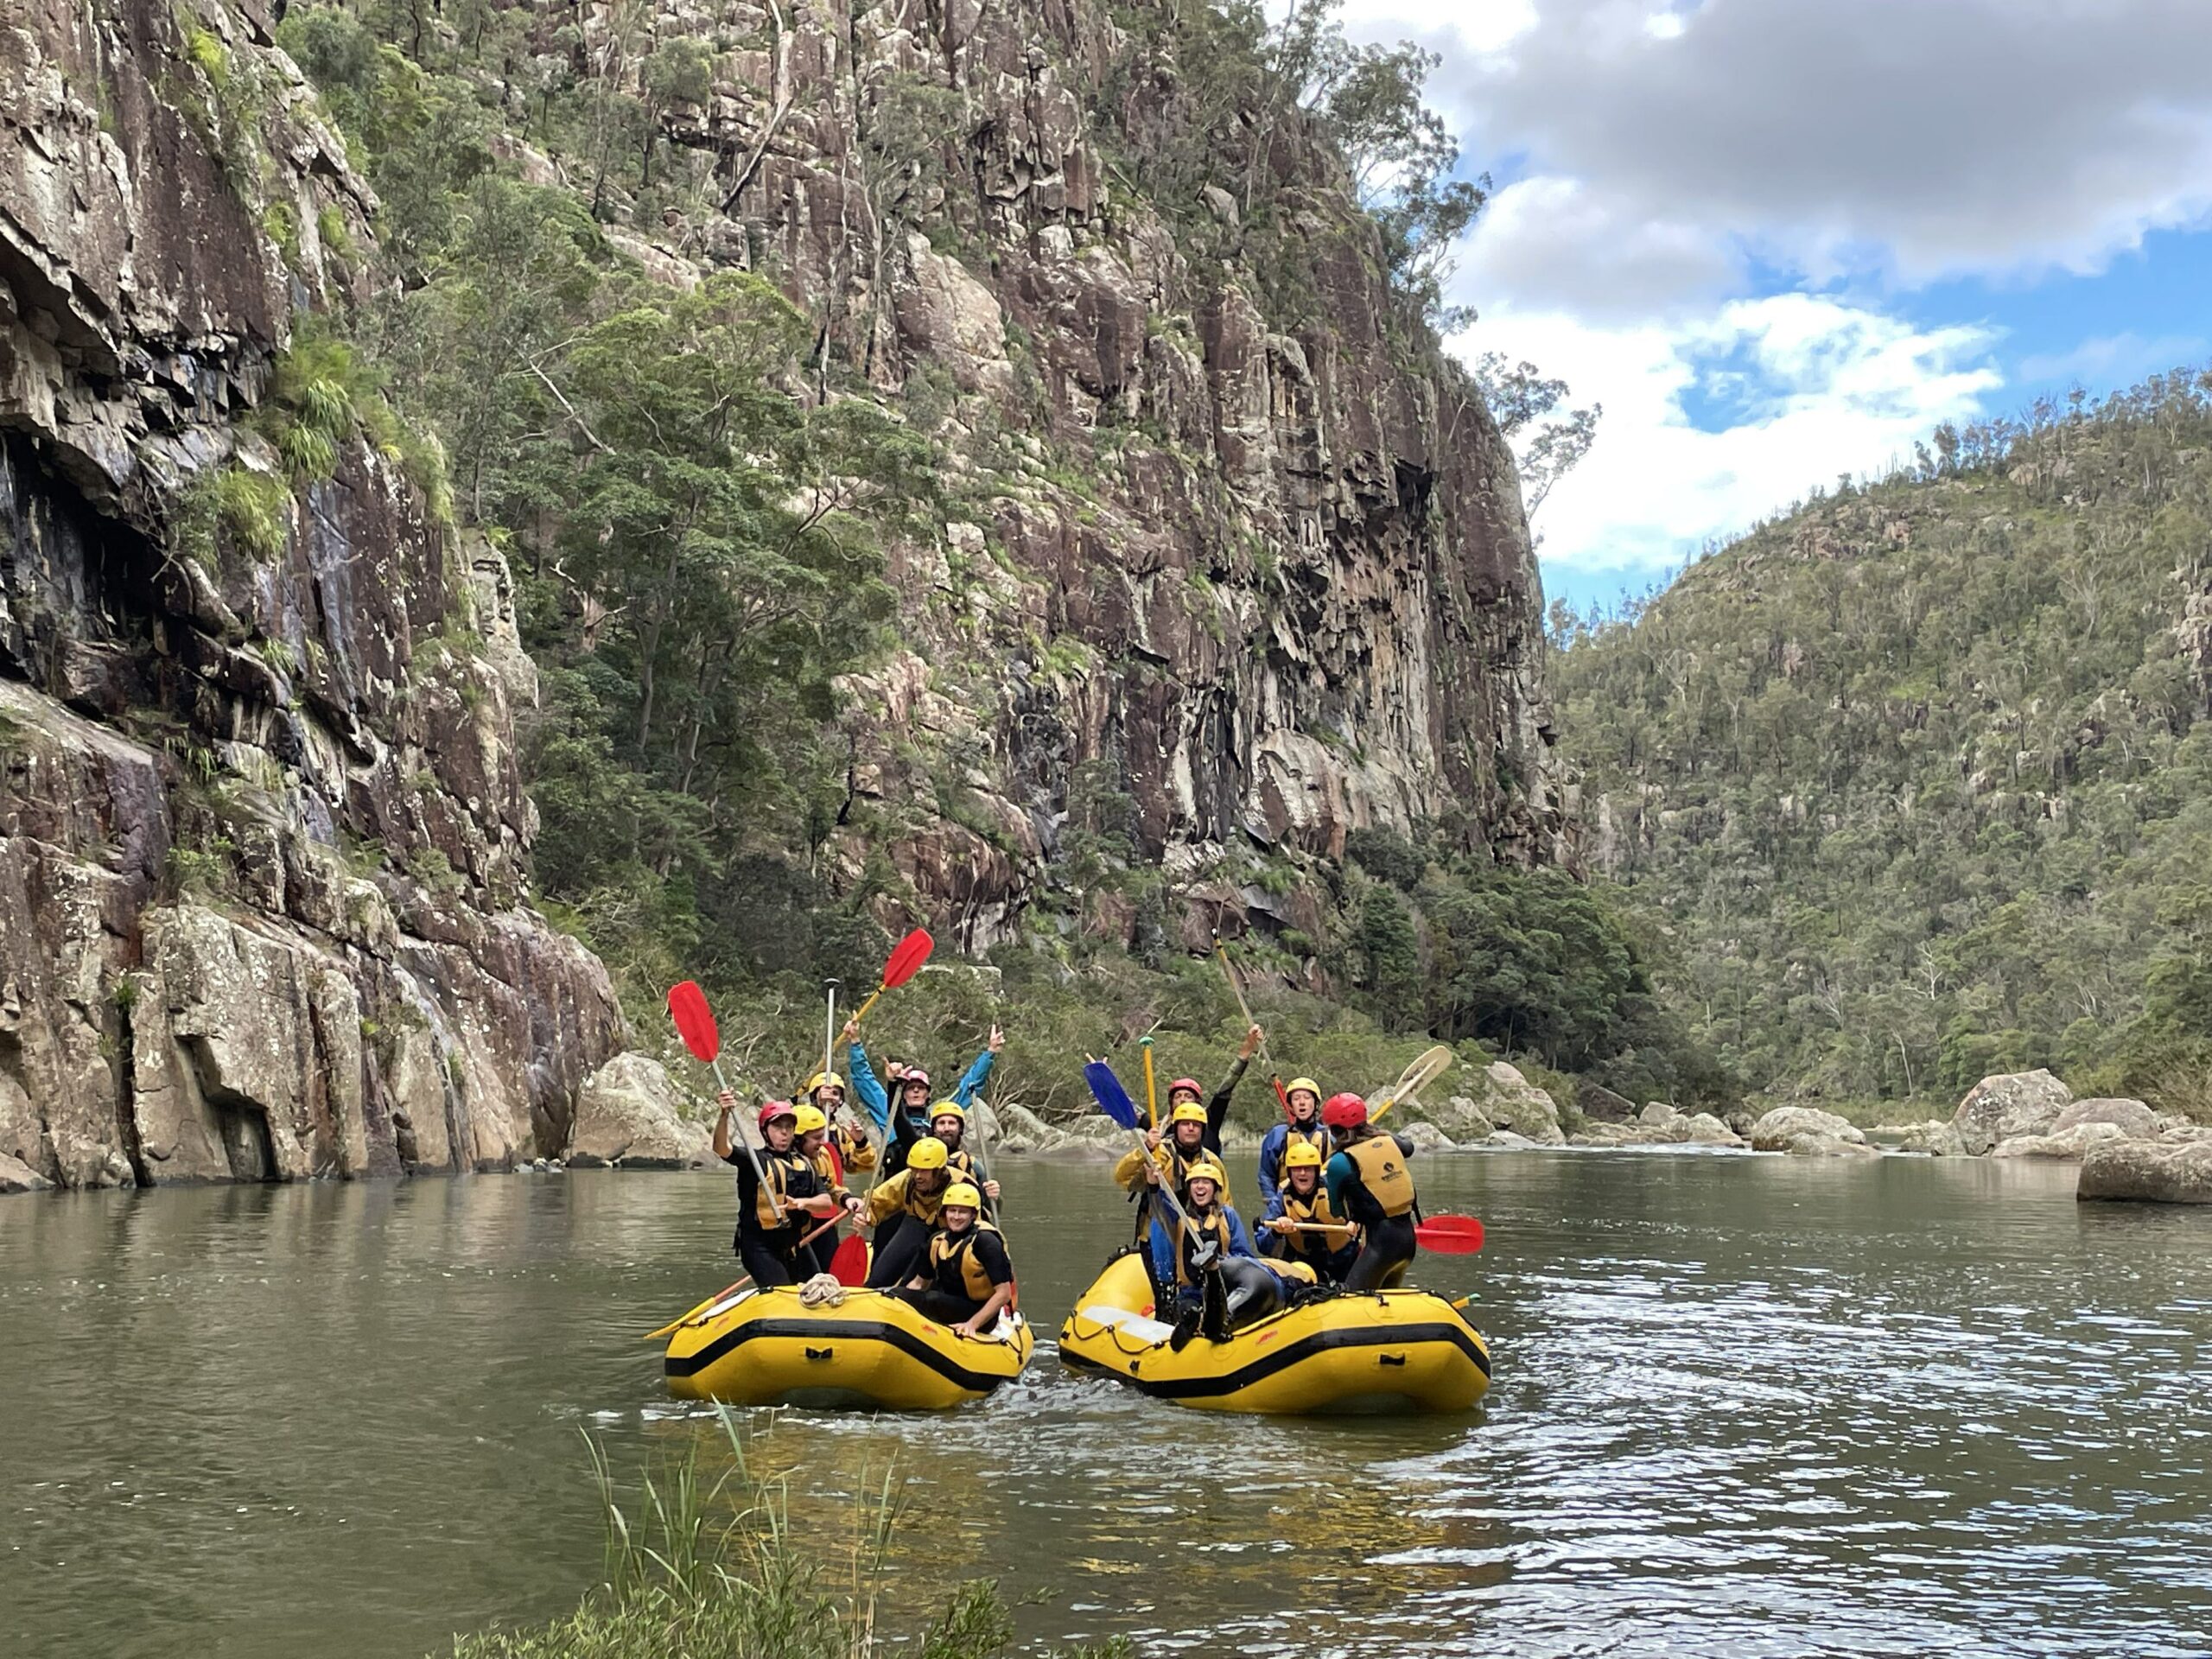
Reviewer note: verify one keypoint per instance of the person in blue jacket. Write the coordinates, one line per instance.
(1205, 1254)
(1304, 1098)
(910, 1122)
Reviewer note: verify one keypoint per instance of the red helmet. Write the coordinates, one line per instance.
(771, 1110)
(1343, 1112)
(1191, 1083)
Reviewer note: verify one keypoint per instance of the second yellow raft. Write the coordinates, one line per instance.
(1395, 1351)
(871, 1350)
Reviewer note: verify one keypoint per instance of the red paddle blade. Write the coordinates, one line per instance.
(907, 958)
(849, 1264)
(1450, 1234)
(695, 1021)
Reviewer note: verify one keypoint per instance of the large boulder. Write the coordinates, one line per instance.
(627, 1114)
(1425, 1135)
(1706, 1130)
(2069, 1144)
(2149, 1171)
(1808, 1133)
(1666, 1126)
(1461, 1118)
(2133, 1119)
(1938, 1137)
(1601, 1105)
(17, 1176)
(1518, 1105)
(2015, 1104)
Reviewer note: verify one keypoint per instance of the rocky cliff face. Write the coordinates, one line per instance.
(1236, 574)
(262, 835)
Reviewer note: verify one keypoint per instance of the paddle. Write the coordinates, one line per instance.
(907, 959)
(1114, 1101)
(850, 1265)
(695, 1023)
(1282, 1097)
(1432, 1065)
(1151, 1094)
(830, 1030)
(740, 1284)
(1444, 1235)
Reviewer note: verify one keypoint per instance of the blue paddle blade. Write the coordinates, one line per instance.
(1113, 1099)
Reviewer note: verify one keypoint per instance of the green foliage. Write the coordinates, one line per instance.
(232, 508)
(704, 1564)
(1918, 776)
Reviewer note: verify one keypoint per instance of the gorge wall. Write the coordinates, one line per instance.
(263, 839)
(1234, 563)
(1250, 560)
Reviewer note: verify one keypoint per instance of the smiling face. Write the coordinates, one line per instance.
(1201, 1190)
(811, 1142)
(1303, 1180)
(958, 1218)
(947, 1128)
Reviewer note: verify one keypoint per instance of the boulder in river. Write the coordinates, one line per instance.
(2002, 1107)
(2134, 1119)
(1706, 1130)
(1808, 1132)
(1517, 1104)
(1601, 1105)
(2068, 1144)
(1667, 1125)
(1425, 1135)
(627, 1114)
(1938, 1137)
(17, 1176)
(1462, 1121)
(2151, 1171)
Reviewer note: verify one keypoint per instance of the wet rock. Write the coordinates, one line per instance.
(1601, 1105)
(2070, 1143)
(1425, 1136)
(1937, 1137)
(2148, 1171)
(17, 1176)
(628, 1112)
(1613, 1134)
(1665, 1125)
(1514, 1103)
(2132, 1117)
(2004, 1107)
(1706, 1130)
(1508, 1140)
(1807, 1132)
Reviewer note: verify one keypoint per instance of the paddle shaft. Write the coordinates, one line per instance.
(1411, 1080)
(1282, 1097)
(737, 1133)
(1151, 1095)
(830, 1030)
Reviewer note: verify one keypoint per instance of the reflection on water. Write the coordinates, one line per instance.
(1742, 1407)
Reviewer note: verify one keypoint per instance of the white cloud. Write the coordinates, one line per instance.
(2109, 358)
(1815, 387)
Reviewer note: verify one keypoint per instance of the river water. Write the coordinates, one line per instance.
(1743, 1406)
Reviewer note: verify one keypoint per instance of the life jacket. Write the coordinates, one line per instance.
(1382, 1171)
(961, 1161)
(1314, 1206)
(948, 1250)
(1315, 1135)
(1190, 1234)
(1178, 1169)
(897, 1196)
(788, 1176)
(853, 1146)
(828, 1169)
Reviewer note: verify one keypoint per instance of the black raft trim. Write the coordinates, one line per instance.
(1205, 1387)
(855, 1330)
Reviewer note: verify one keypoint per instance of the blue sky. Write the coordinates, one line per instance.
(1781, 240)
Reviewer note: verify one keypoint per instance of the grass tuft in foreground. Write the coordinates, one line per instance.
(699, 1569)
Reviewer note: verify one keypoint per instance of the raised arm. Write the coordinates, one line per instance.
(865, 1084)
(976, 1075)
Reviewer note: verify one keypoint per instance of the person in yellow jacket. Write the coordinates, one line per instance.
(948, 1123)
(810, 1138)
(904, 1208)
(1305, 1204)
(781, 1204)
(856, 1151)
(1368, 1182)
(966, 1277)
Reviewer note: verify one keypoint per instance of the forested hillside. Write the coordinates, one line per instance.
(1918, 776)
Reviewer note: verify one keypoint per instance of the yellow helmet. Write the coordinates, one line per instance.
(1308, 1085)
(1304, 1155)
(809, 1118)
(928, 1153)
(962, 1195)
(948, 1109)
(1187, 1111)
(821, 1080)
(1206, 1170)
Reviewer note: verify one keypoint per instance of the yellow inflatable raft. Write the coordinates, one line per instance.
(1397, 1350)
(768, 1348)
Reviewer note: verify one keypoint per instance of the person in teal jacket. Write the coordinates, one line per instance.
(910, 1122)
